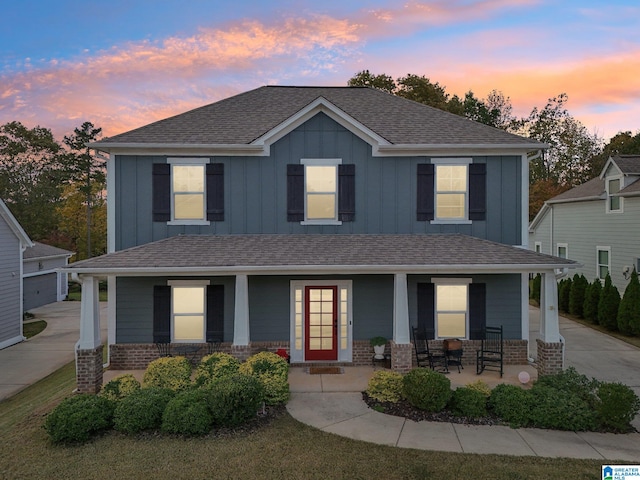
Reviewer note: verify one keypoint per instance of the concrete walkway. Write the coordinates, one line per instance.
(27, 362)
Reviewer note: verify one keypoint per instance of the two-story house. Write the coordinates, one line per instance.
(312, 219)
(596, 223)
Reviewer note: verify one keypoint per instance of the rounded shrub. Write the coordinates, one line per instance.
(76, 418)
(120, 387)
(214, 366)
(385, 386)
(481, 387)
(272, 370)
(427, 390)
(168, 372)
(511, 403)
(617, 406)
(560, 410)
(187, 414)
(141, 410)
(570, 380)
(234, 399)
(468, 402)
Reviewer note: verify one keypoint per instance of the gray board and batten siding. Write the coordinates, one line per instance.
(10, 301)
(255, 190)
(270, 298)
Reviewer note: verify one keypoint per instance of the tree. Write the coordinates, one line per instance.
(576, 297)
(420, 89)
(591, 300)
(502, 111)
(623, 143)
(608, 305)
(540, 192)
(564, 291)
(85, 170)
(31, 177)
(367, 79)
(629, 310)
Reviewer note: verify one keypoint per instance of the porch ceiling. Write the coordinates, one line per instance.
(299, 253)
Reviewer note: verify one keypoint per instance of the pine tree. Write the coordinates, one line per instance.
(564, 291)
(608, 305)
(629, 311)
(591, 300)
(576, 297)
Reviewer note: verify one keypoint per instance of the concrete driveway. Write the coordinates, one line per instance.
(27, 362)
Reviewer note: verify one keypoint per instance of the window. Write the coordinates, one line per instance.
(538, 247)
(451, 190)
(188, 191)
(613, 201)
(188, 305)
(603, 261)
(451, 308)
(321, 192)
(562, 250)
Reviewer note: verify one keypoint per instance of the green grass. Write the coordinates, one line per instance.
(31, 329)
(284, 449)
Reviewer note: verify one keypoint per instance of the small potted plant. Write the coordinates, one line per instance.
(378, 344)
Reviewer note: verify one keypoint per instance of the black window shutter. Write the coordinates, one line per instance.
(215, 192)
(426, 305)
(477, 191)
(215, 313)
(477, 310)
(347, 192)
(161, 174)
(425, 197)
(295, 193)
(161, 314)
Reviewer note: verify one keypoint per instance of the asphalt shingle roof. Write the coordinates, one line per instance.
(40, 250)
(307, 251)
(241, 119)
(628, 164)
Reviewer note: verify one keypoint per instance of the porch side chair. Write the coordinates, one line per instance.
(214, 342)
(164, 347)
(490, 356)
(426, 358)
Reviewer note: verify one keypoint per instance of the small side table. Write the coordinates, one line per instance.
(384, 362)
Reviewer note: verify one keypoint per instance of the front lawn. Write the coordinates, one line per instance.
(284, 449)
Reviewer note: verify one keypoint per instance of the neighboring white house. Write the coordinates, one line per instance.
(43, 283)
(13, 242)
(596, 224)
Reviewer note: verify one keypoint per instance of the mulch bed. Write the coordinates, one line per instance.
(406, 410)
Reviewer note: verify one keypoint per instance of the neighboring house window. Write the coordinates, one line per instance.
(321, 191)
(452, 307)
(562, 250)
(538, 247)
(188, 191)
(614, 203)
(451, 191)
(187, 311)
(603, 261)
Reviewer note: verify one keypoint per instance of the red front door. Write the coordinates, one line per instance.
(321, 323)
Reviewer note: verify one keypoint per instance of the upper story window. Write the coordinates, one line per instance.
(614, 203)
(538, 247)
(603, 261)
(188, 191)
(451, 190)
(321, 192)
(562, 250)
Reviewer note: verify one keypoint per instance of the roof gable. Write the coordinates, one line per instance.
(252, 120)
(624, 164)
(13, 224)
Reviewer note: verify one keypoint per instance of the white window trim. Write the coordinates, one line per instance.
(537, 247)
(598, 250)
(189, 161)
(608, 202)
(566, 248)
(345, 355)
(450, 281)
(321, 162)
(189, 283)
(466, 161)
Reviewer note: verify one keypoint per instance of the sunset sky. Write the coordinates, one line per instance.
(125, 63)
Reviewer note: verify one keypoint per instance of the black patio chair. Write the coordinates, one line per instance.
(426, 358)
(491, 352)
(164, 348)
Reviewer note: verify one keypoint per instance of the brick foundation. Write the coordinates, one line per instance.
(549, 358)
(89, 370)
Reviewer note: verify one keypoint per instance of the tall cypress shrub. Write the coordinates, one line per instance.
(608, 305)
(576, 297)
(534, 288)
(591, 300)
(564, 291)
(629, 311)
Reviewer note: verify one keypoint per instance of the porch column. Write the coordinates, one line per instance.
(240, 347)
(550, 347)
(401, 359)
(89, 347)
